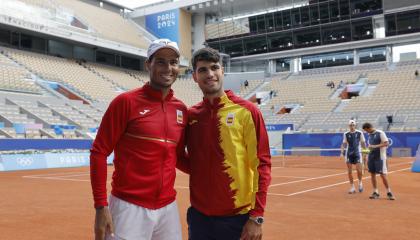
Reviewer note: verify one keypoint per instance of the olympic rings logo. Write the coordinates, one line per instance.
(24, 161)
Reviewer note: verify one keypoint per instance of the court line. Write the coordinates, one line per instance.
(54, 174)
(326, 176)
(278, 194)
(71, 174)
(310, 164)
(78, 180)
(75, 175)
(58, 178)
(287, 177)
(303, 164)
(321, 163)
(88, 173)
(327, 186)
(63, 174)
(336, 184)
(308, 179)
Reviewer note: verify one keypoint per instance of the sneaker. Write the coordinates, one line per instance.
(390, 196)
(374, 195)
(360, 188)
(352, 190)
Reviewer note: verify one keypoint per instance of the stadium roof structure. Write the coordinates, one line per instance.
(228, 8)
(132, 4)
(118, 4)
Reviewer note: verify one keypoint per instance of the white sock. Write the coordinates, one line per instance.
(376, 190)
(389, 189)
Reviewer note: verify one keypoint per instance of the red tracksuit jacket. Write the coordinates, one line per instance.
(229, 157)
(143, 131)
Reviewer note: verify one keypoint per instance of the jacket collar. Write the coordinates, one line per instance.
(156, 94)
(217, 102)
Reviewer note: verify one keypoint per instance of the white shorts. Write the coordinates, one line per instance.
(132, 222)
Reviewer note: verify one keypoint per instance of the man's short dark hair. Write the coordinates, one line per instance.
(205, 54)
(367, 126)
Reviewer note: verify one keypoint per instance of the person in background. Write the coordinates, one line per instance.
(351, 150)
(377, 161)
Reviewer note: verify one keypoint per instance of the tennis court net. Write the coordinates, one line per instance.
(308, 158)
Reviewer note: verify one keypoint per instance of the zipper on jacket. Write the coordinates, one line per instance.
(212, 133)
(165, 128)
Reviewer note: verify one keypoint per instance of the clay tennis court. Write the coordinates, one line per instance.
(307, 200)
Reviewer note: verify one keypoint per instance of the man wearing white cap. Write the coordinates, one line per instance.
(353, 141)
(144, 128)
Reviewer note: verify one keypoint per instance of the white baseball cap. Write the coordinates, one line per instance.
(162, 43)
(352, 122)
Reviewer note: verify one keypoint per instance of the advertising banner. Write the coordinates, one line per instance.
(164, 24)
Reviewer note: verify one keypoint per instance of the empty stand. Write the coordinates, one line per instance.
(395, 92)
(187, 91)
(252, 86)
(16, 79)
(10, 114)
(41, 114)
(124, 78)
(65, 71)
(46, 117)
(106, 23)
(71, 114)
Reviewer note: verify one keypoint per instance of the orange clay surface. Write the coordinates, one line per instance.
(303, 203)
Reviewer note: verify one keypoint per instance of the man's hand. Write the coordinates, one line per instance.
(251, 231)
(103, 224)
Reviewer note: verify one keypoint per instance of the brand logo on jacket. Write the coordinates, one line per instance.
(193, 122)
(230, 119)
(179, 116)
(144, 111)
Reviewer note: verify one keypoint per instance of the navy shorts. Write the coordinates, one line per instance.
(203, 227)
(377, 166)
(353, 159)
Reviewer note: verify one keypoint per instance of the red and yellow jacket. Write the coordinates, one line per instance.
(143, 131)
(229, 157)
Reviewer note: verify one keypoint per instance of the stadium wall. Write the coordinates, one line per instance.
(185, 33)
(44, 153)
(44, 144)
(14, 162)
(409, 140)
